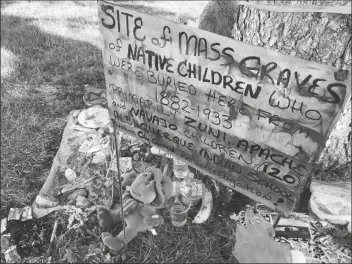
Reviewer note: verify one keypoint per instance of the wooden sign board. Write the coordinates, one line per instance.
(251, 118)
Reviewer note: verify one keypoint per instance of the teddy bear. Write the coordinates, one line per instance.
(143, 195)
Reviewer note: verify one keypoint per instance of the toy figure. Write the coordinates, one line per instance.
(144, 193)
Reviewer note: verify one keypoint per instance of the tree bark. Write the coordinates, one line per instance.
(218, 17)
(321, 37)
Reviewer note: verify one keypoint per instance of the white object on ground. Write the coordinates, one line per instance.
(87, 143)
(334, 219)
(157, 151)
(15, 214)
(27, 214)
(93, 196)
(94, 117)
(3, 225)
(206, 207)
(99, 143)
(43, 201)
(99, 157)
(11, 255)
(81, 201)
(125, 164)
(331, 201)
(234, 216)
(153, 232)
(5, 242)
(298, 257)
(75, 193)
(70, 174)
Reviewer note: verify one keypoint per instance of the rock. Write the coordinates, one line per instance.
(331, 201)
(108, 183)
(46, 201)
(99, 157)
(70, 175)
(15, 214)
(5, 242)
(125, 164)
(298, 257)
(3, 225)
(11, 255)
(27, 214)
(93, 196)
(78, 192)
(157, 151)
(97, 183)
(82, 201)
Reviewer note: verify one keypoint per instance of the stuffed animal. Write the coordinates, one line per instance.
(144, 193)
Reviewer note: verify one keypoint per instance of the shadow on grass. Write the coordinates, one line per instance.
(48, 81)
(48, 58)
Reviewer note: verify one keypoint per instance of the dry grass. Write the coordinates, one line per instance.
(50, 53)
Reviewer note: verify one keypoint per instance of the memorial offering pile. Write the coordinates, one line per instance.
(50, 57)
(61, 224)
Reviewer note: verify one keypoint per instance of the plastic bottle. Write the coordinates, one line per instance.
(178, 205)
(180, 169)
(182, 180)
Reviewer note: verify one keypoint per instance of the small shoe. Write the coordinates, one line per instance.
(104, 217)
(96, 97)
(111, 242)
(46, 201)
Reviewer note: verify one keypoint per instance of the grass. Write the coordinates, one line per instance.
(44, 78)
(50, 55)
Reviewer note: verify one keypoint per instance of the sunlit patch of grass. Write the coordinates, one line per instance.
(9, 62)
(69, 19)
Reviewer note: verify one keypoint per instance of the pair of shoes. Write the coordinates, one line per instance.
(95, 97)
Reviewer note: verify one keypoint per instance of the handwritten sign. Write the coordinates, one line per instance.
(251, 118)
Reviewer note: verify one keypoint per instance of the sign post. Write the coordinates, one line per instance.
(249, 117)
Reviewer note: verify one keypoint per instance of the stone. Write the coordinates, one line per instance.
(27, 214)
(3, 225)
(79, 192)
(11, 255)
(82, 201)
(15, 214)
(5, 242)
(70, 175)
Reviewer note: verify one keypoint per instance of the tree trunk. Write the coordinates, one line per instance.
(218, 17)
(321, 37)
